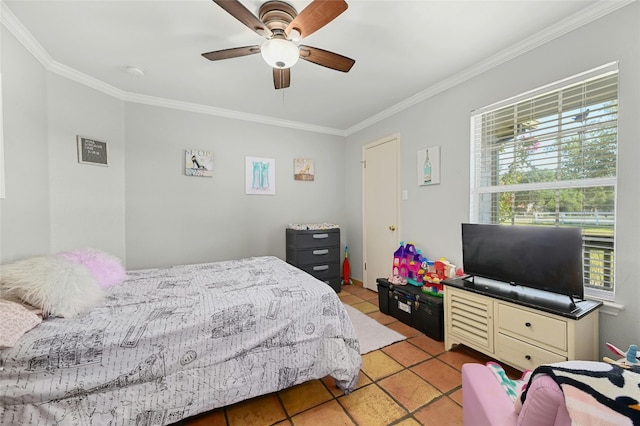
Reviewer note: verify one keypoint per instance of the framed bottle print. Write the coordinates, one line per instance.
(429, 166)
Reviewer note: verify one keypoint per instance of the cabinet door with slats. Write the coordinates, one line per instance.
(469, 320)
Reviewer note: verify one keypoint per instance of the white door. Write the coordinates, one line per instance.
(381, 213)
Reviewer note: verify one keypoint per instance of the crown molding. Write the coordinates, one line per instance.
(577, 20)
(227, 113)
(13, 24)
(585, 16)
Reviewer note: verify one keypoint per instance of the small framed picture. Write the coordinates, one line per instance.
(91, 151)
(429, 166)
(303, 169)
(260, 176)
(198, 162)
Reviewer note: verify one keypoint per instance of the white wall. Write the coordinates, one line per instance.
(86, 201)
(432, 215)
(145, 210)
(172, 218)
(24, 213)
(52, 202)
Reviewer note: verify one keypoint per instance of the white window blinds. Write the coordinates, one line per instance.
(548, 158)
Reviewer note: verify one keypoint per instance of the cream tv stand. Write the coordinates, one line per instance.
(517, 328)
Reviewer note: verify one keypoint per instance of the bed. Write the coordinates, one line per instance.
(170, 343)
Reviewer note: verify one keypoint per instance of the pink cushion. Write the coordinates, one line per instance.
(105, 268)
(15, 320)
(544, 405)
(485, 403)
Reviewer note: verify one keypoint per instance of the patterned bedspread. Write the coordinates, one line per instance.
(596, 393)
(170, 343)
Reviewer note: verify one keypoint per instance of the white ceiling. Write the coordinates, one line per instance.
(404, 50)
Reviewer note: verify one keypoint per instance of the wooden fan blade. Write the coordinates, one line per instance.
(242, 14)
(281, 78)
(315, 16)
(235, 52)
(326, 58)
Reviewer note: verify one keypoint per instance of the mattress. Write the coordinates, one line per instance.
(173, 342)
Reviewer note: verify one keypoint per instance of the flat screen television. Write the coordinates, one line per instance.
(544, 258)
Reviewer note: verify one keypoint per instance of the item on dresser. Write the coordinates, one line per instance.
(316, 250)
(312, 226)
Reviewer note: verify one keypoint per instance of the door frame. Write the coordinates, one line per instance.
(386, 139)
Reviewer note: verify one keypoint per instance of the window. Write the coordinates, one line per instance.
(548, 158)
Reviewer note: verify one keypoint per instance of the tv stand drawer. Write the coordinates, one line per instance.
(523, 355)
(529, 325)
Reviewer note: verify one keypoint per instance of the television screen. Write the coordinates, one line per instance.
(546, 258)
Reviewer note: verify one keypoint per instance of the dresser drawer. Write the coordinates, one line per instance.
(313, 256)
(323, 271)
(523, 355)
(531, 326)
(313, 239)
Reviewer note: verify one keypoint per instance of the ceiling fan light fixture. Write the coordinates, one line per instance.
(294, 35)
(280, 53)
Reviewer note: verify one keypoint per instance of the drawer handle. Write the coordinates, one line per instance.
(320, 236)
(527, 324)
(527, 357)
(319, 252)
(321, 268)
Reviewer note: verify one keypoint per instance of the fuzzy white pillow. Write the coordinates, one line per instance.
(52, 283)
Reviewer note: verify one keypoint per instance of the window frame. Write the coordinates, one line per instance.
(477, 188)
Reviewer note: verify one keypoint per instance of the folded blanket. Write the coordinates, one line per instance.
(596, 393)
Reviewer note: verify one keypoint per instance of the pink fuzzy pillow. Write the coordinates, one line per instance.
(105, 268)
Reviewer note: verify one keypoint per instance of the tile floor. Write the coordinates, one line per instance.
(413, 382)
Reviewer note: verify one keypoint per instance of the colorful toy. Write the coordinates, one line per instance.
(346, 268)
(397, 280)
(400, 262)
(630, 357)
(432, 285)
(410, 266)
(414, 266)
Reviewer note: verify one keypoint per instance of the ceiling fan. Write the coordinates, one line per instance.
(282, 26)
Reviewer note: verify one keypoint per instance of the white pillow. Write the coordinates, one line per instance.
(52, 283)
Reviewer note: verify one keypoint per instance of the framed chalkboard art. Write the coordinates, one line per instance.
(91, 151)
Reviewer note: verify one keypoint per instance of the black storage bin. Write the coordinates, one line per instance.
(410, 305)
(428, 317)
(401, 306)
(384, 293)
